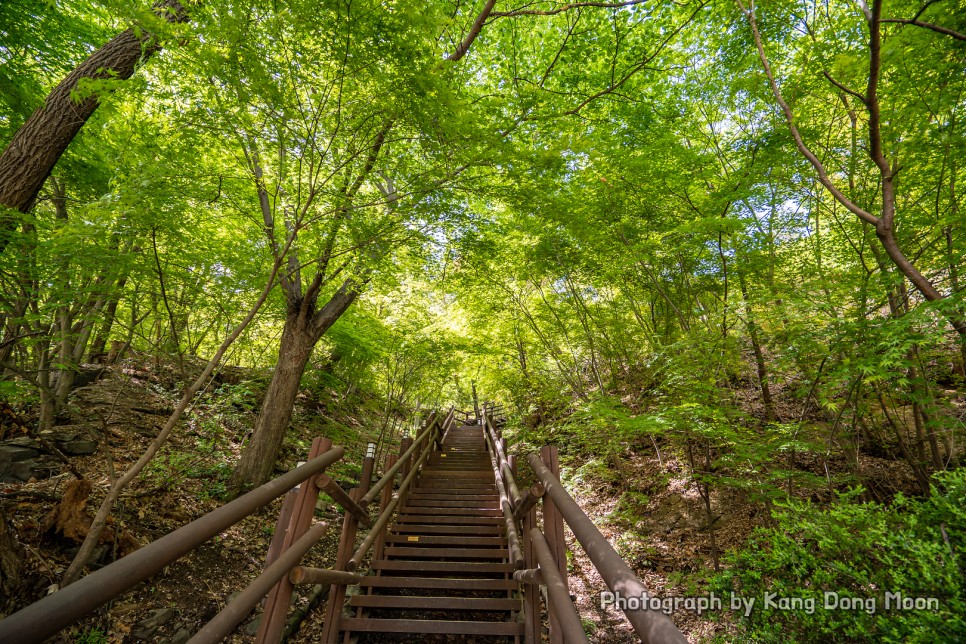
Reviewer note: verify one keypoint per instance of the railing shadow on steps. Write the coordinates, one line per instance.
(295, 534)
(540, 554)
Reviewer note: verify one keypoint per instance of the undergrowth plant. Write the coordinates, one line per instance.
(854, 571)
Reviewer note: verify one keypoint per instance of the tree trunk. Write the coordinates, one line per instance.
(759, 355)
(304, 327)
(98, 350)
(258, 460)
(37, 146)
(11, 565)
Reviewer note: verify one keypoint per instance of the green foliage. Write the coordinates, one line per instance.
(592, 473)
(630, 508)
(91, 636)
(598, 216)
(603, 424)
(913, 547)
(206, 460)
(242, 396)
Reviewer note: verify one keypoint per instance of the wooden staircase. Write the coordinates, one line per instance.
(443, 574)
(458, 552)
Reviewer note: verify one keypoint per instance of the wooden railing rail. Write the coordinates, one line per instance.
(55, 612)
(349, 557)
(544, 550)
(652, 626)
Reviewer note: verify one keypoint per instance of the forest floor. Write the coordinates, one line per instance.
(186, 480)
(643, 499)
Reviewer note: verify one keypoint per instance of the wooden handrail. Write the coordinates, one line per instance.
(44, 618)
(504, 465)
(557, 592)
(391, 473)
(532, 496)
(383, 519)
(513, 538)
(238, 608)
(327, 484)
(652, 626)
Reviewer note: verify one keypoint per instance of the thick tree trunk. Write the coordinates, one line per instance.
(37, 146)
(304, 327)
(258, 459)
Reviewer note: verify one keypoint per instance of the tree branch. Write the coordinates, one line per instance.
(566, 7)
(843, 87)
(823, 177)
(640, 66)
(475, 30)
(926, 25)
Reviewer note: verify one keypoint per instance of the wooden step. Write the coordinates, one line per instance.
(435, 603)
(479, 477)
(430, 486)
(417, 528)
(454, 567)
(456, 465)
(465, 512)
(461, 455)
(445, 540)
(452, 483)
(370, 625)
(439, 583)
(455, 475)
(483, 504)
(441, 496)
(447, 553)
(450, 520)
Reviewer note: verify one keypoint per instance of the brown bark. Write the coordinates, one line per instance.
(303, 328)
(759, 354)
(39, 143)
(475, 30)
(946, 31)
(122, 481)
(11, 565)
(98, 349)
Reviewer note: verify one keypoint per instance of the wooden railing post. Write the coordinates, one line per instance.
(347, 541)
(531, 592)
(383, 504)
(553, 530)
(301, 511)
(404, 444)
(476, 404)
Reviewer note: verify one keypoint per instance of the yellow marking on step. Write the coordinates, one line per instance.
(414, 539)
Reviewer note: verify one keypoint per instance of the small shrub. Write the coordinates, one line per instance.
(630, 508)
(91, 636)
(859, 552)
